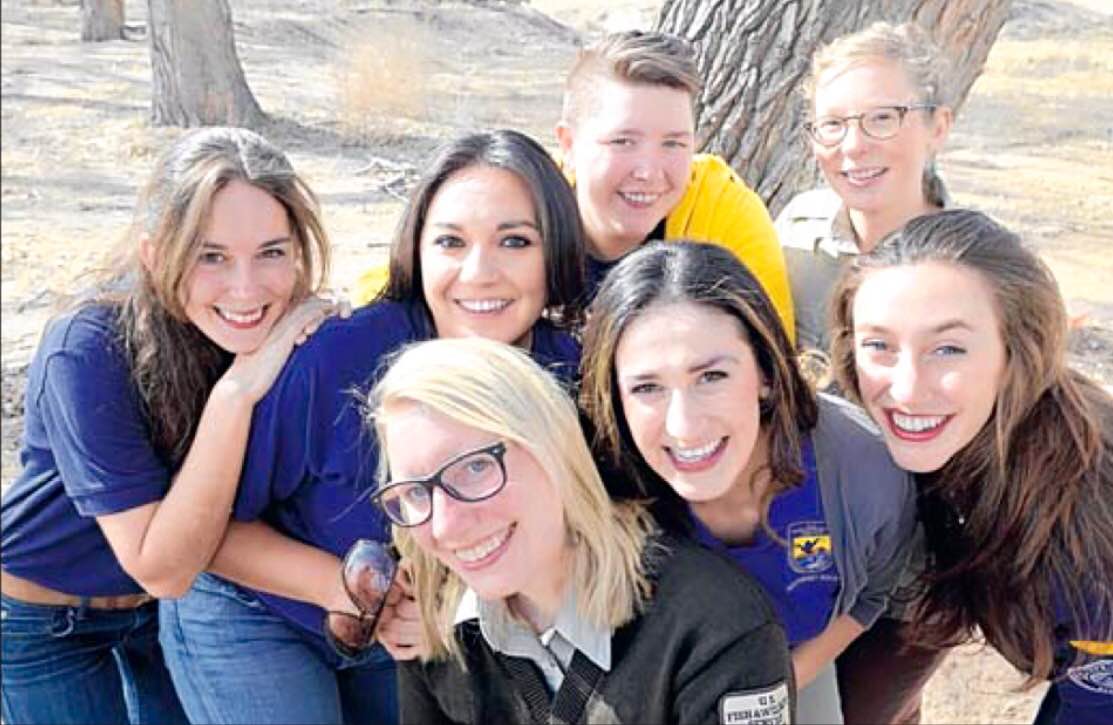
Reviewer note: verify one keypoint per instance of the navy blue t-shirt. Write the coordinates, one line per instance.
(311, 459)
(86, 452)
(1084, 666)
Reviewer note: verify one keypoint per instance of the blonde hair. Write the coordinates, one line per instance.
(906, 45)
(636, 57)
(499, 389)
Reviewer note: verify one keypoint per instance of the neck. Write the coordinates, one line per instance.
(734, 516)
(611, 249)
(539, 605)
(871, 227)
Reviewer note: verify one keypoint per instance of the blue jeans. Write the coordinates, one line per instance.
(81, 665)
(233, 661)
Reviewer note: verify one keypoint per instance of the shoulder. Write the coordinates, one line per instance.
(362, 339)
(556, 350)
(714, 179)
(814, 204)
(91, 329)
(684, 572)
(851, 454)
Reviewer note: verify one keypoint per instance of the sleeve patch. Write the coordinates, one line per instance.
(1096, 676)
(762, 706)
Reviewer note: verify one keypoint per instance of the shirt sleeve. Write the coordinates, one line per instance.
(416, 703)
(98, 433)
(748, 680)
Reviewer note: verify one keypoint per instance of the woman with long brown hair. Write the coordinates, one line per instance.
(953, 336)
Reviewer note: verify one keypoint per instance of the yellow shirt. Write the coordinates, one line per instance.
(717, 207)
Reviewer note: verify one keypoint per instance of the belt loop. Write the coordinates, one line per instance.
(82, 608)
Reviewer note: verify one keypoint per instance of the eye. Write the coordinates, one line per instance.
(448, 241)
(621, 141)
(829, 125)
(415, 495)
(273, 253)
(211, 257)
(948, 350)
(675, 144)
(645, 389)
(873, 345)
(712, 376)
(515, 242)
(882, 115)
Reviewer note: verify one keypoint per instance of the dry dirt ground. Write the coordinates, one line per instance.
(360, 93)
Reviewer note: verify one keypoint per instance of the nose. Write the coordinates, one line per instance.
(907, 380)
(855, 139)
(478, 266)
(242, 280)
(681, 418)
(449, 516)
(645, 166)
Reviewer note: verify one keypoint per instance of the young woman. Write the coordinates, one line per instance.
(1012, 450)
(490, 245)
(541, 599)
(138, 404)
(691, 383)
(878, 100)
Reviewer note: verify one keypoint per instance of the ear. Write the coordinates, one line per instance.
(944, 119)
(147, 254)
(565, 138)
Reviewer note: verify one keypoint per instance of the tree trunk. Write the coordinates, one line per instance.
(102, 20)
(197, 79)
(753, 55)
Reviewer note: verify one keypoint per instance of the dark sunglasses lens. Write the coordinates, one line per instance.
(369, 570)
(348, 634)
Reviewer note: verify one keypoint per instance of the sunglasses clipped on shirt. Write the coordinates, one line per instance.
(368, 572)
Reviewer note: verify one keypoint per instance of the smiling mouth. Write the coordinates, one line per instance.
(484, 307)
(639, 198)
(485, 551)
(243, 320)
(698, 458)
(863, 176)
(916, 428)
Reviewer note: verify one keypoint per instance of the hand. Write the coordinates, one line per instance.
(252, 373)
(399, 628)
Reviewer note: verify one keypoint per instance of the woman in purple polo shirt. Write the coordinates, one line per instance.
(489, 245)
(693, 387)
(138, 404)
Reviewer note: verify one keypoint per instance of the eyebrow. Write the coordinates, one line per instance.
(945, 326)
(277, 241)
(503, 226)
(697, 368)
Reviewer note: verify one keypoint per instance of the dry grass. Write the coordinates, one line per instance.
(380, 77)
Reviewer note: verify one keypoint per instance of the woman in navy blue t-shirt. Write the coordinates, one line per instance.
(489, 245)
(953, 336)
(138, 404)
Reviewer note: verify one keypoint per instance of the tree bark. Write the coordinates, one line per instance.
(196, 75)
(754, 54)
(102, 20)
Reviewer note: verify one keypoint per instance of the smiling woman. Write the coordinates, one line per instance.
(139, 400)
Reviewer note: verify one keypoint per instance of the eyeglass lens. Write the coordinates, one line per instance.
(369, 570)
(471, 478)
(880, 123)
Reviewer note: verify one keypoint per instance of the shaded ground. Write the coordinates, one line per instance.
(1033, 146)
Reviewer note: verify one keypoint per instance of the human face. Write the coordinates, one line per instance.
(691, 388)
(245, 271)
(482, 263)
(930, 358)
(631, 153)
(871, 176)
(512, 544)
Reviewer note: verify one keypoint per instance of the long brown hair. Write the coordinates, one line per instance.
(174, 364)
(1019, 522)
(663, 272)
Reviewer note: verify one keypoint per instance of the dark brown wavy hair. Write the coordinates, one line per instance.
(174, 364)
(660, 273)
(1019, 522)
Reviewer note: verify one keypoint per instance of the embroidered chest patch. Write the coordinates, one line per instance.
(1096, 676)
(762, 706)
(809, 549)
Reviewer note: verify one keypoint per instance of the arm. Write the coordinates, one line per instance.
(810, 657)
(164, 544)
(749, 680)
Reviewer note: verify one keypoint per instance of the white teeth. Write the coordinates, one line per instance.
(917, 423)
(862, 174)
(639, 198)
(483, 305)
(483, 548)
(242, 318)
(692, 455)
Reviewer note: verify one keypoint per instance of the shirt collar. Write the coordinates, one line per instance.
(507, 634)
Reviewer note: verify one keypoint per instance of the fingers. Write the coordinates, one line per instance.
(400, 631)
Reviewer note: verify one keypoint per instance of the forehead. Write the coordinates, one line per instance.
(482, 189)
(679, 334)
(242, 213)
(610, 103)
(916, 299)
(441, 437)
(863, 83)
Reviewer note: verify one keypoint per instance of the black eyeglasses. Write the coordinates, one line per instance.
(877, 123)
(368, 572)
(469, 477)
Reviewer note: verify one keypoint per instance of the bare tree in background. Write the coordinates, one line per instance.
(102, 20)
(197, 79)
(754, 54)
